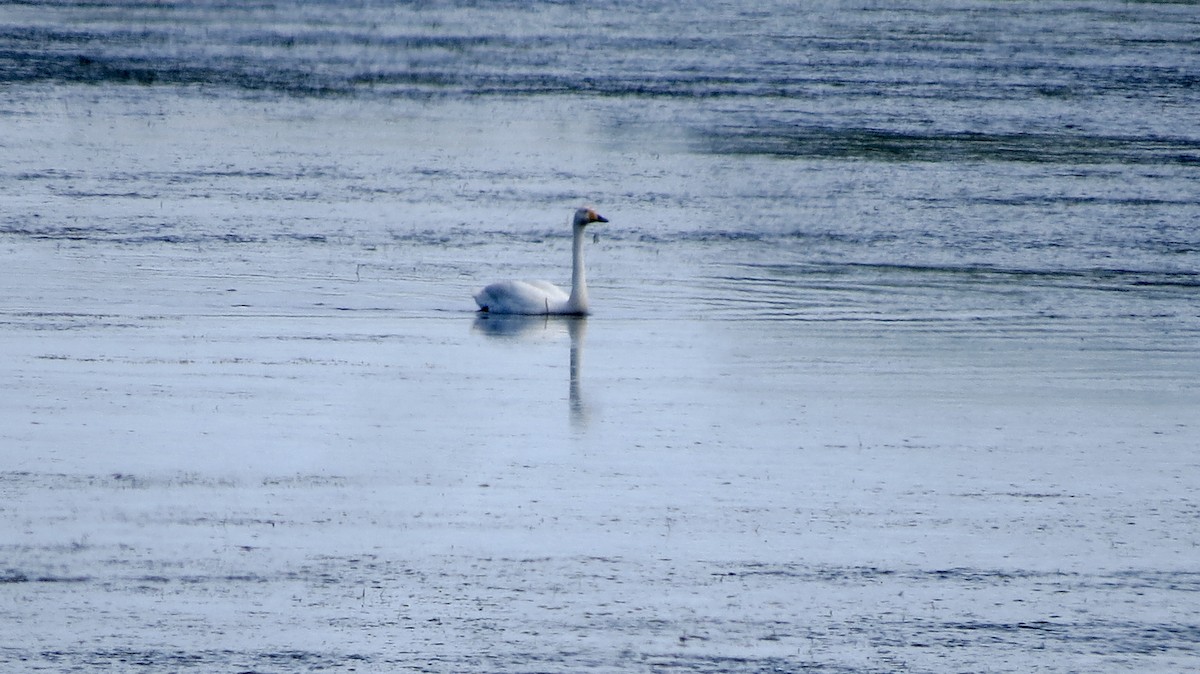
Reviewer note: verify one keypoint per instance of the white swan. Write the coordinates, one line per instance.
(543, 297)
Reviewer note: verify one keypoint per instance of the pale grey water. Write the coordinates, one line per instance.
(893, 363)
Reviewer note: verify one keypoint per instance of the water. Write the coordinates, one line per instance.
(892, 368)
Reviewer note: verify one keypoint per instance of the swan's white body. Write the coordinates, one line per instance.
(543, 297)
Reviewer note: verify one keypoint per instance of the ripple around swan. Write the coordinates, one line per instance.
(983, 300)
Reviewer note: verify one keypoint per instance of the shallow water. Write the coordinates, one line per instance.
(892, 368)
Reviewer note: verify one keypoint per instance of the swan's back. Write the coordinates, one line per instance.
(522, 297)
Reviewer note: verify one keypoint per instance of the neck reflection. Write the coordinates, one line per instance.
(541, 328)
(577, 329)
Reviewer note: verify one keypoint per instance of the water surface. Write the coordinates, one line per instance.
(892, 368)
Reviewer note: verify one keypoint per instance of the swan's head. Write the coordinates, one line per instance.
(586, 216)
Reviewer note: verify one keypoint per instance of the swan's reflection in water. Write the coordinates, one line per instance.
(538, 328)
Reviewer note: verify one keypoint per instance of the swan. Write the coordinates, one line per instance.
(543, 297)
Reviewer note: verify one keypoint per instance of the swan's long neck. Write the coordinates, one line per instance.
(578, 301)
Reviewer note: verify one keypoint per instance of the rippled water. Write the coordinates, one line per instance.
(1015, 142)
(893, 363)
